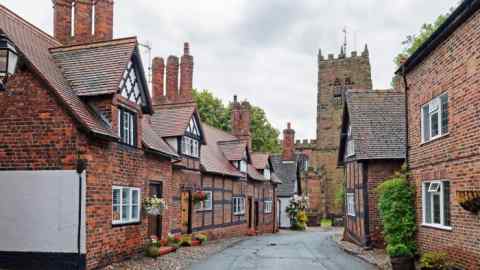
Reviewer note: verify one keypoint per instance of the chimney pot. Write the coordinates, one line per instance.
(186, 48)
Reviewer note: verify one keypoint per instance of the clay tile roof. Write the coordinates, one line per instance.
(153, 142)
(212, 157)
(34, 45)
(95, 68)
(260, 160)
(233, 150)
(378, 123)
(172, 121)
(254, 174)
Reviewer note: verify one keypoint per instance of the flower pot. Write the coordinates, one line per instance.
(402, 263)
(154, 211)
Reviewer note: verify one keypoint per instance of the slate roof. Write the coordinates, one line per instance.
(260, 160)
(233, 150)
(172, 121)
(212, 158)
(34, 44)
(254, 174)
(378, 125)
(287, 173)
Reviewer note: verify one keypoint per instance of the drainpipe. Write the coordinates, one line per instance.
(404, 75)
(81, 166)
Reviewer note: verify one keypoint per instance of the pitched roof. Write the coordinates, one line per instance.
(287, 173)
(212, 157)
(254, 174)
(95, 68)
(34, 44)
(233, 150)
(153, 142)
(172, 121)
(260, 160)
(275, 179)
(378, 125)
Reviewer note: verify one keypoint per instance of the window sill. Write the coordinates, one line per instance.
(239, 214)
(435, 139)
(115, 225)
(204, 210)
(438, 226)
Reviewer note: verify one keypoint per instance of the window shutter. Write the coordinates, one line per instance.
(446, 203)
(444, 106)
(426, 123)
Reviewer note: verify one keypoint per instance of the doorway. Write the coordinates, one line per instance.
(257, 215)
(155, 222)
(186, 205)
(250, 215)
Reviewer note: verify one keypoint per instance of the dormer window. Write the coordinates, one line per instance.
(130, 85)
(243, 166)
(127, 127)
(191, 140)
(266, 173)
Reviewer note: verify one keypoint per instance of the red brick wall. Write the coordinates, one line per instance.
(451, 68)
(38, 134)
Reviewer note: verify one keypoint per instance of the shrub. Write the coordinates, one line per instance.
(326, 223)
(203, 238)
(186, 241)
(296, 212)
(152, 251)
(434, 261)
(396, 205)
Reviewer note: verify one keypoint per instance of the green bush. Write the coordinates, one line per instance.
(203, 238)
(396, 205)
(326, 223)
(434, 261)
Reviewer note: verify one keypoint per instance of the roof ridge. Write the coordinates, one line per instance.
(36, 29)
(96, 44)
(219, 130)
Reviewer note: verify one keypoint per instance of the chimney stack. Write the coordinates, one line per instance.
(186, 75)
(158, 75)
(241, 121)
(288, 151)
(172, 78)
(83, 21)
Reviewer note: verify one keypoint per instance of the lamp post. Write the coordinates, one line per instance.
(8, 59)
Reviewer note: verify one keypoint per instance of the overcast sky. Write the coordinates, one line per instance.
(264, 50)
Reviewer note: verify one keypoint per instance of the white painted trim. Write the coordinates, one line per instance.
(129, 205)
(437, 226)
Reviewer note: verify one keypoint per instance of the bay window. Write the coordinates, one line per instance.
(125, 205)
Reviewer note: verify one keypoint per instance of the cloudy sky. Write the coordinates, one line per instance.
(264, 50)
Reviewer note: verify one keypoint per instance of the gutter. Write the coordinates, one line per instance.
(407, 147)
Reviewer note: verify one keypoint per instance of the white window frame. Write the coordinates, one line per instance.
(243, 166)
(190, 147)
(267, 174)
(267, 206)
(238, 205)
(207, 204)
(129, 204)
(350, 197)
(130, 126)
(434, 107)
(436, 191)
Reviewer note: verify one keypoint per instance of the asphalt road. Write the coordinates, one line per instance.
(312, 250)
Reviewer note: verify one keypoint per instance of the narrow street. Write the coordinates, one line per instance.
(312, 250)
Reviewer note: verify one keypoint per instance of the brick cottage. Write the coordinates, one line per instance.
(83, 143)
(441, 80)
(372, 149)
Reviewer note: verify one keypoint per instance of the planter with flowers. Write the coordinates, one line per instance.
(296, 212)
(199, 196)
(154, 206)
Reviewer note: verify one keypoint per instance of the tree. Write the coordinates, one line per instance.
(413, 42)
(215, 113)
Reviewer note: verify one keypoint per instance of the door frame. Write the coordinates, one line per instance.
(250, 210)
(158, 185)
(189, 209)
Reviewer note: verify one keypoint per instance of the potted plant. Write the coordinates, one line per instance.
(396, 205)
(154, 206)
(435, 261)
(199, 196)
(203, 238)
(296, 212)
(152, 249)
(186, 241)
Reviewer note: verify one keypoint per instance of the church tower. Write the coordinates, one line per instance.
(335, 77)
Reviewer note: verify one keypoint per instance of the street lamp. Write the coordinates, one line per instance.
(8, 59)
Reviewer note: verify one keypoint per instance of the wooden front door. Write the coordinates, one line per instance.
(250, 214)
(186, 211)
(257, 215)
(155, 222)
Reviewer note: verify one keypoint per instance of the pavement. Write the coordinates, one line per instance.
(314, 249)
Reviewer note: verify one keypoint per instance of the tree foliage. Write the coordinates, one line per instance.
(214, 112)
(413, 42)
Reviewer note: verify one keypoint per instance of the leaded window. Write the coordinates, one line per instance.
(435, 118)
(191, 140)
(127, 127)
(130, 87)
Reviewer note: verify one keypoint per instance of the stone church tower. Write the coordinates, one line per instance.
(335, 76)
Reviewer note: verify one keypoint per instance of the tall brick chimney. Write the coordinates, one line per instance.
(288, 151)
(82, 21)
(241, 121)
(158, 77)
(167, 90)
(186, 74)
